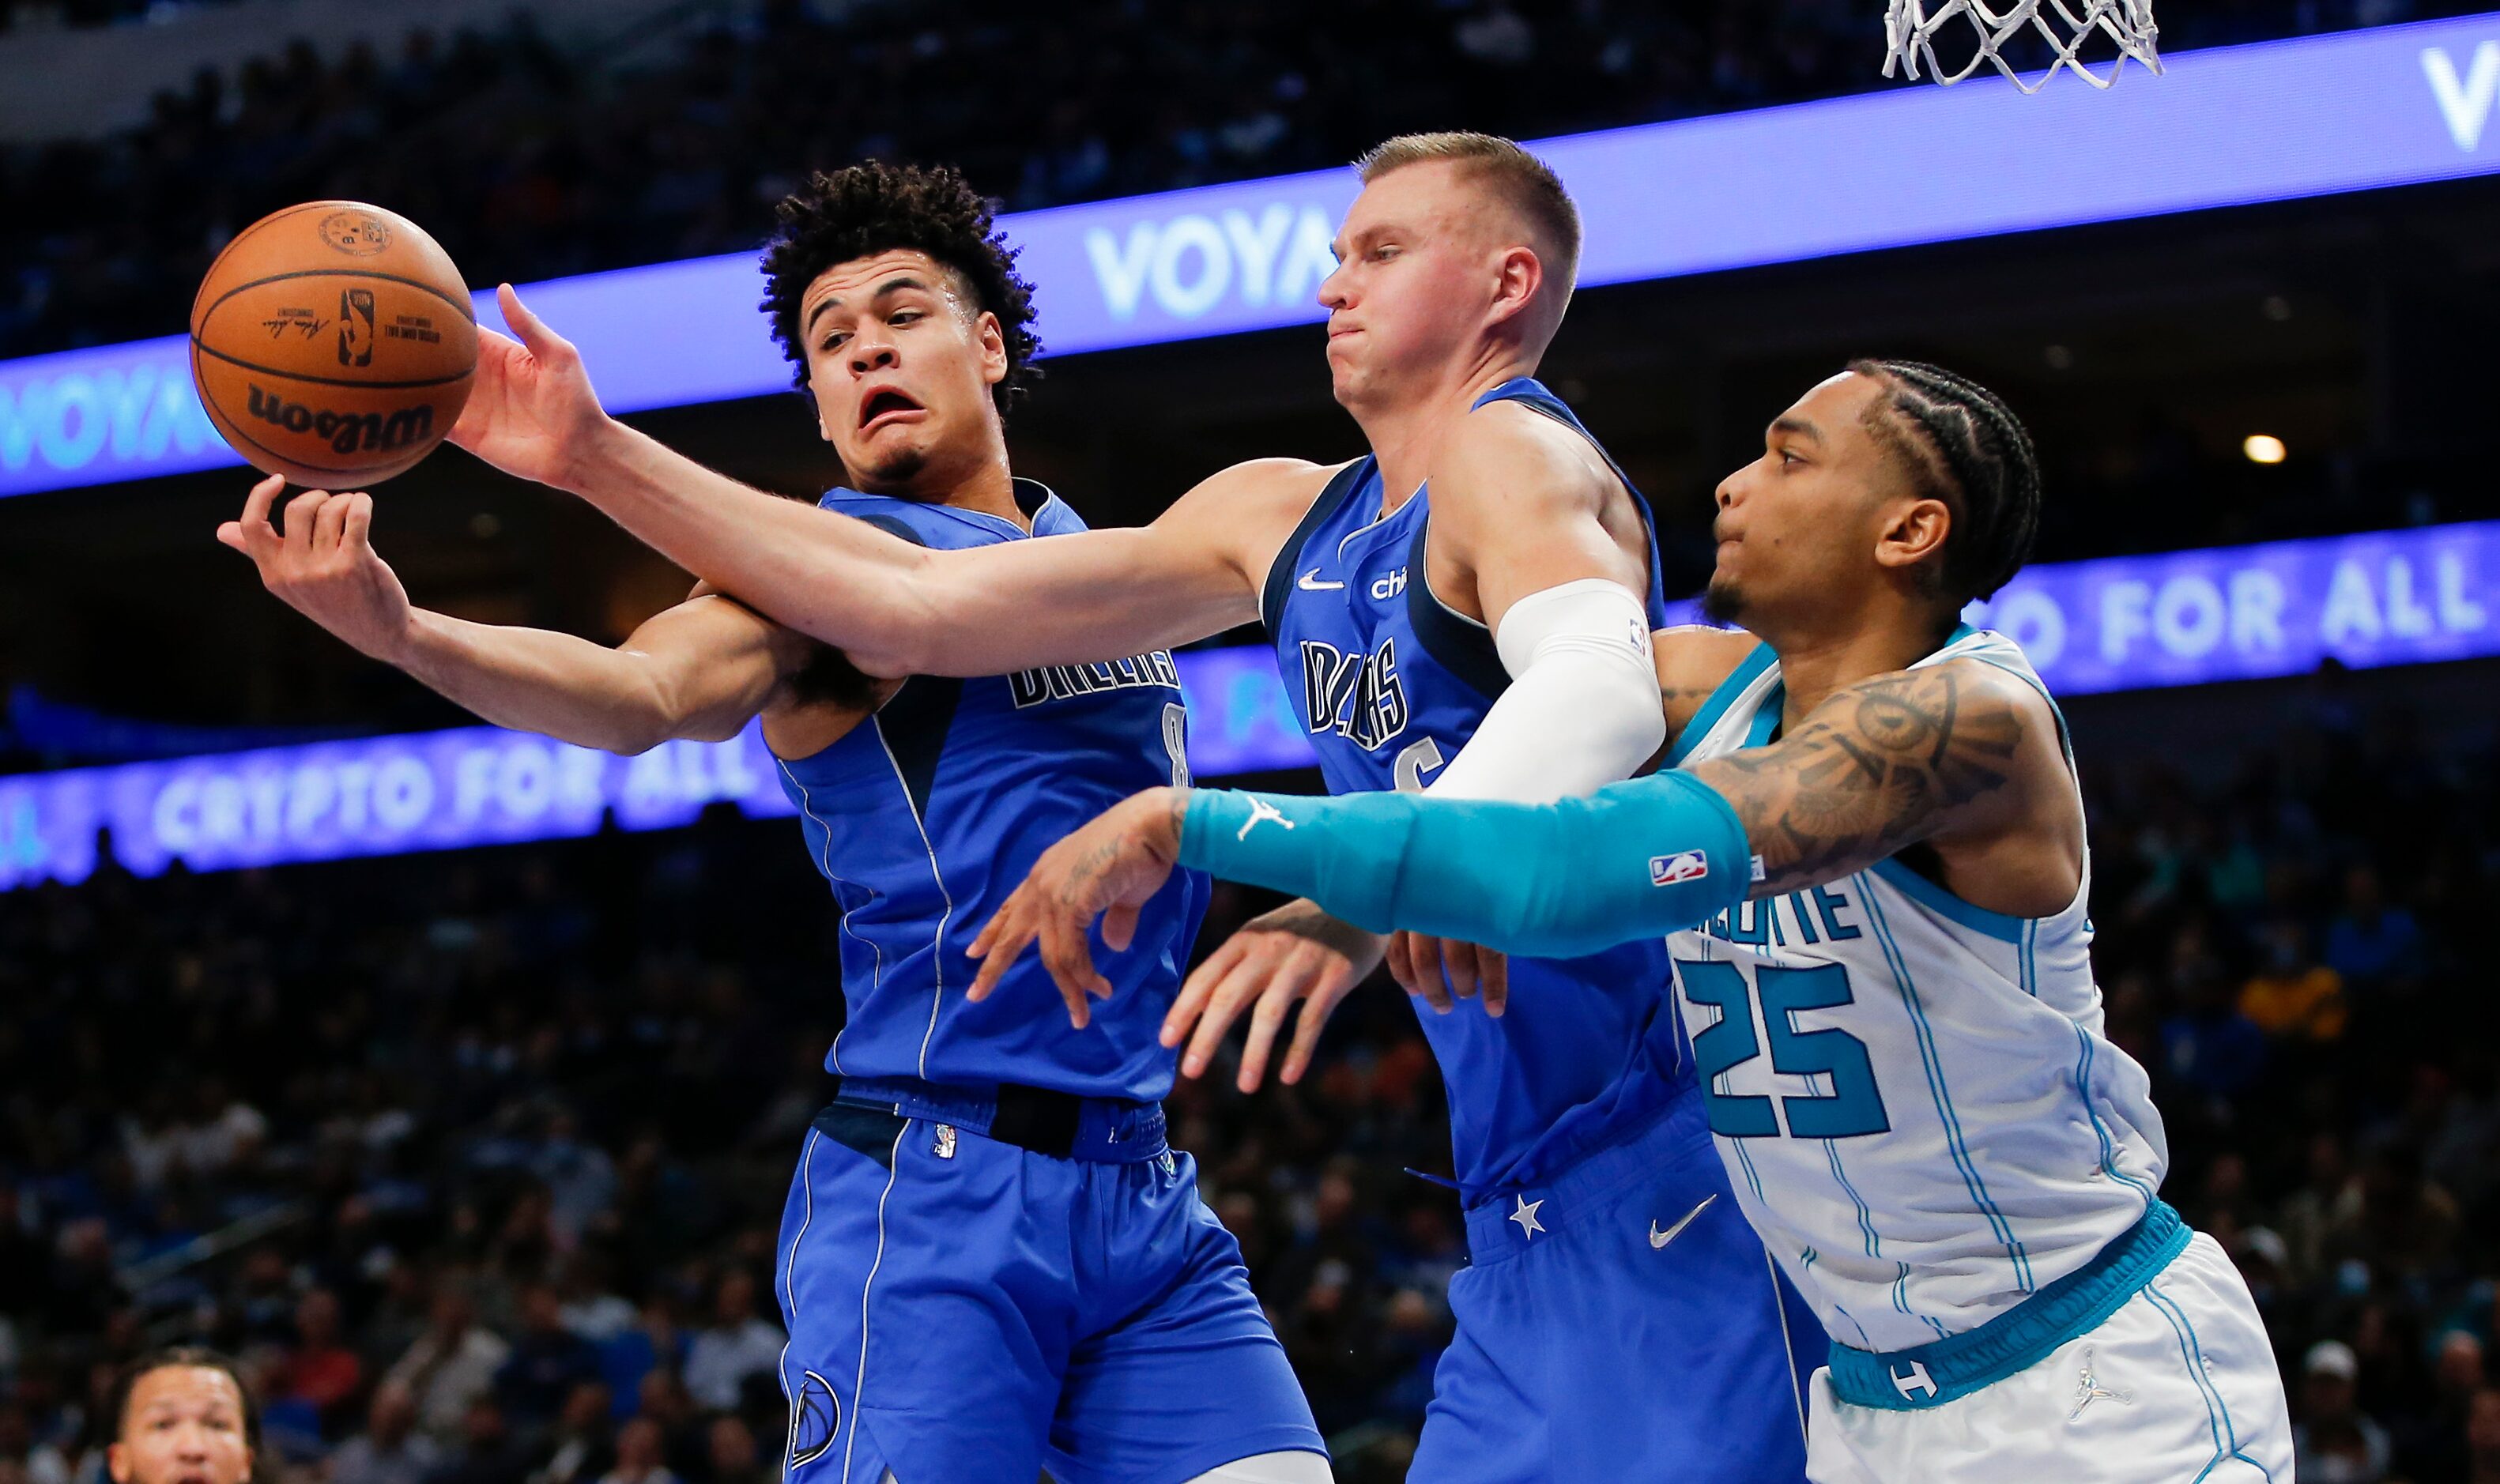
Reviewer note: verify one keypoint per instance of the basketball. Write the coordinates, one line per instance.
(333, 343)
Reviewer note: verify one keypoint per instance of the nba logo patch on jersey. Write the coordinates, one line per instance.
(1683, 866)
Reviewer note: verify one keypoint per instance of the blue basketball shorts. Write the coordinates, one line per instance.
(1623, 1323)
(963, 1309)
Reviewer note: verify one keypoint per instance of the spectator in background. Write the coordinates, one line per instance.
(83, 1292)
(2209, 1047)
(488, 1453)
(734, 1456)
(451, 1365)
(2327, 1201)
(592, 1308)
(2370, 942)
(546, 1361)
(22, 1258)
(579, 1178)
(2336, 1442)
(2291, 995)
(638, 1456)
(320, 1372)
(667, 1406)
(181, 1416)
(655, 1345)
(390, 1450)
(2435, 1445)
(223, 1129)
(2404, 1226)
(737, 1343)
(2483, 1438)
(41, 1462)
(263, 1296)
(578, 1447)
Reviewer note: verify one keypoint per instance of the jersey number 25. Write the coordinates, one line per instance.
(1852, 1106)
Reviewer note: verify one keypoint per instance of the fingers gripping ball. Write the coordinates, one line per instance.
(333, 343)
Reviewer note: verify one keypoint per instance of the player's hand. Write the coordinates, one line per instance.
(323, 564)
(1295, 952)
(1106, 870)
(1434, 968)
(532, 412)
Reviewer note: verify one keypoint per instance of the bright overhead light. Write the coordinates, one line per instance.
(2262, 448)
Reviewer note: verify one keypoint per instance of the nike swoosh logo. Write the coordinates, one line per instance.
(1310, 582)
(1659, 1239)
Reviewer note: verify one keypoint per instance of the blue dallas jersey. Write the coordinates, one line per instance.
(927, 814)
(1391, 684)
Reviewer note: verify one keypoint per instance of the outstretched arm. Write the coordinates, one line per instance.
(894, 608)
(1531, 532)
(700, 669)
(1899, 759)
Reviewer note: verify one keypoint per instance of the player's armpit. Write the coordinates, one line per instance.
(1881, 765)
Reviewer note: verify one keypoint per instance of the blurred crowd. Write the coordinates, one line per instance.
(528, 160)
(476, 1159)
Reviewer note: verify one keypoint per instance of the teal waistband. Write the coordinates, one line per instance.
(1933, 1375)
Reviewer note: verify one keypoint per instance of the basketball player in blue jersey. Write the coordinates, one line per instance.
(991, 1263)
(1872, 870)
(1468, 610)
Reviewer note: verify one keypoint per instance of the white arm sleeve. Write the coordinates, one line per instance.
(1582, 709)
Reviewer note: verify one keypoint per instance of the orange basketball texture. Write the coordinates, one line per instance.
(333, 343)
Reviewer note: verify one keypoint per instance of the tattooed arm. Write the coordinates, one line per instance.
(1889, 763)
(1962, 758)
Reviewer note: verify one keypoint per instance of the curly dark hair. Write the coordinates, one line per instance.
(841, 216)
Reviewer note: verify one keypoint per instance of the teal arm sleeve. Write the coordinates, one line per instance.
(1634, 860)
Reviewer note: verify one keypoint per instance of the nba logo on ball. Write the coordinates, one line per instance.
(1683, 866)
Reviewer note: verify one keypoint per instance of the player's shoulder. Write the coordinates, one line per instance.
(1693, 662)
(1257, 491)
(1987, 681)
(1694, 655)
(2004, 690)
(1961, 698)
(1507, 451)
(1281, 477)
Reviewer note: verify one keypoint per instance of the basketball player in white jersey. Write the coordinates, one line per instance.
(1870, 859)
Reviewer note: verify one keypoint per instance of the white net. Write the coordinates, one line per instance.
(2010, 35)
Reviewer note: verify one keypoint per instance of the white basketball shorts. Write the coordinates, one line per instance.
(2179, 1383)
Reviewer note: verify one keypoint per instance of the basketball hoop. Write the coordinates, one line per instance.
(2066, 25)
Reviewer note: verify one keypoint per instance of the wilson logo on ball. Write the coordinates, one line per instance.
(346, 432)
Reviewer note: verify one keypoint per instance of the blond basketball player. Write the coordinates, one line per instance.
(1870, 867)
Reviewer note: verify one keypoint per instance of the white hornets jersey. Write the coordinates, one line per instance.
(1916, 1102)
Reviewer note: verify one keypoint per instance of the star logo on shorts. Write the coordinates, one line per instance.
(2089, 1389)
(1526, 1216)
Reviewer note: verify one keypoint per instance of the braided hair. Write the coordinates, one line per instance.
(841, 216)
(1960, 443)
